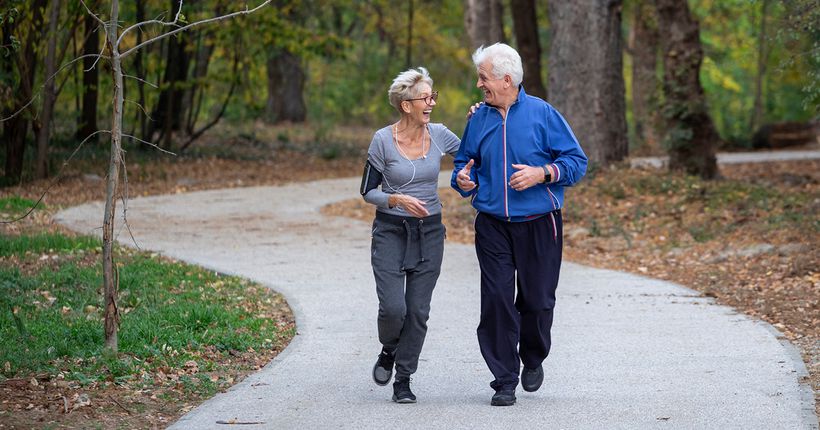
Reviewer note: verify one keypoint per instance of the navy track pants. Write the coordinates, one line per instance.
(516, 322)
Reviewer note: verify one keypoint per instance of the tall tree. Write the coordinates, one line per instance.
(91, 78)
(169, 111)
(114, 39)
(525, 26)
(21, 89)
(286, 84)
(762, 59)
(586, 75)
(691, 137)
(285, 72)
(646, 86)
(49, 92)
(484, 21)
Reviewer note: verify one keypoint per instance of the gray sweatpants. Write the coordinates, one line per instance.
(406, 255)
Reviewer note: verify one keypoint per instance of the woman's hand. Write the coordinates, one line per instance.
(410, 204)
(472, 109)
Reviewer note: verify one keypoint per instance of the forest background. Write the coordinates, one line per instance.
(329, 62)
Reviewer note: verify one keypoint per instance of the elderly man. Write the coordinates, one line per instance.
(517, 154)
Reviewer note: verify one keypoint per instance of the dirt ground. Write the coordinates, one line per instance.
(780, 286)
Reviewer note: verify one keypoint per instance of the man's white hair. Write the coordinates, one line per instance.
(505, 61)
(405, 86)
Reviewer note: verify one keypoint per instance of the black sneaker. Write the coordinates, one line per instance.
(383, 369)
(503, 398)
(531, 379)
(401, 391)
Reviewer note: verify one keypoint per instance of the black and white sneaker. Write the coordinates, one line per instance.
(401, 391)
(383, 369)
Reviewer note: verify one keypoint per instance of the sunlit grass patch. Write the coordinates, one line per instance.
(44, 242)
(180, 324)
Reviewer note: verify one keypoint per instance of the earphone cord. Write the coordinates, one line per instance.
(413, 176)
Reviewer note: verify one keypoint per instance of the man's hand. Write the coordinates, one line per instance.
(526, 176)
(411, 205)
(463, 177)
(472, 109)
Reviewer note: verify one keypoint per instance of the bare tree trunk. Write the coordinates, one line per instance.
(525, 26)
(110, 276)
(169, 111)
(645, 83)
(286, 82)
(586, 75)
(408, 61)
(138, 63)
(15, 129)
(91, 79)
(194, 93)
(691, 136)
(762, 58)
(484, 22)
(49, 94)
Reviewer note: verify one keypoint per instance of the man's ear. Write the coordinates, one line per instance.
(508, 80)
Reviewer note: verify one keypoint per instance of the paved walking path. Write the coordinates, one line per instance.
(629, 351)
(737, 157)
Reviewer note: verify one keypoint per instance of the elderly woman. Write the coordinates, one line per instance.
(401, 180)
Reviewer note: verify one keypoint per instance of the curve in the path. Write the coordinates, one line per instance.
(629, 351)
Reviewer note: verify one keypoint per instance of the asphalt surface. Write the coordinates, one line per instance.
(628, 351)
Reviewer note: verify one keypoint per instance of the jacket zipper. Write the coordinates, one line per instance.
(506, 184)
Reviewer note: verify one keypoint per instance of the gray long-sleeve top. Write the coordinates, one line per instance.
(417, 178)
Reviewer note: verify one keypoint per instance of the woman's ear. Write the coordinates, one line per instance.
(405, 106)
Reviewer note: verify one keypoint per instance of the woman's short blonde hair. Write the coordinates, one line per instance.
(405, 86)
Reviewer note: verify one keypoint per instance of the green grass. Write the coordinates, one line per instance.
(44, 242)
(15, 206)
(51, 322)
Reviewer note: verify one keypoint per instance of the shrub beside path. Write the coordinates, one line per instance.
(628, 351)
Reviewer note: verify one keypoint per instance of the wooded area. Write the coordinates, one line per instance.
(633, 77)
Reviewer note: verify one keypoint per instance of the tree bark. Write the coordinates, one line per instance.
(110, 276)
(525, 26)
(408, 60)
(645, 83)
(88, 117)
(170, 110)
(286, 82)
(194, 93)
(15, 129)
(140, 71)
(691, 137)
(586, 75)
(484, 22)
(762, 59)
(49, 93)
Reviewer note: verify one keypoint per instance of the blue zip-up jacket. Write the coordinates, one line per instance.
(534, 133)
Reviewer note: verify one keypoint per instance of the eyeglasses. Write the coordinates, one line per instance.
(429, 99)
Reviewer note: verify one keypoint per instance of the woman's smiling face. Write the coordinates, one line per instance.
(418, 109)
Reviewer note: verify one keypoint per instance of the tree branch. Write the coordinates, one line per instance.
(152, 21)
(194, 24)
(148, 143)
(56, 178)
(93, 14)
(140, 79)
(34, 97)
